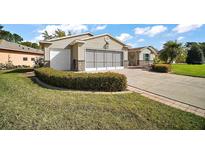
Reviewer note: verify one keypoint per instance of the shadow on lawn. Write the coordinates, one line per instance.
(20, 70)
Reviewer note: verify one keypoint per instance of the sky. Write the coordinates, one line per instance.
(135, 35)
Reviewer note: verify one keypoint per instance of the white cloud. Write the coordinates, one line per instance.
(132, 45)
(140, 40)
(150, 31)
(100, 27)
(185, 28)
(180, 38)
(124, 37)
(37, 38)
(73, 28)
(141, 31)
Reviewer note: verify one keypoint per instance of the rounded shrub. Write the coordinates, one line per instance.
(107, 81)
(163, 68)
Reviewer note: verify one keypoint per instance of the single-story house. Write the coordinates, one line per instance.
(18, 54)
(142, 56)
(85, 52)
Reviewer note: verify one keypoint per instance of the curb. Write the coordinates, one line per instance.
(168, 101)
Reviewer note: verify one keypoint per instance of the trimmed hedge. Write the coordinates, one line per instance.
(107, 81)
(162, 68)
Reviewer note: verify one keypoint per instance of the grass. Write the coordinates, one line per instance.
(25, 105)
(189, 70)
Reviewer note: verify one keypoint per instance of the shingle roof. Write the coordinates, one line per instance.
(65, 37)
(106, 34)
(17, 47)
(155, 51)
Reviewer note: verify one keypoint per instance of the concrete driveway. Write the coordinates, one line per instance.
(190, 90)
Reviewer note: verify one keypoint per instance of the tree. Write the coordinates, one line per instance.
(17, 38)
(27, 43)
(195, 55)
(1, 27)
(163, 56)
(170, 51)
(189, 44)
(69, 33)
(59, 33)
(202, 45)
(6, 35)
(30, 44)
(35, 45)
(46, 36)
(182, 56)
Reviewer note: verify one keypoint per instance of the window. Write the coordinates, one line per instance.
(146, 57)
(32, 59)
(25, 58)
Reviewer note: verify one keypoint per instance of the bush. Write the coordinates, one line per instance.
(39, 62)
(2, 66)
(195, 55)
(108, 81)
(21, 70)
(163, 68)
(156, 60)
(9, 66)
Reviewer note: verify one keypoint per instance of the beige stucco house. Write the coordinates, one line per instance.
(18, 54)
(142, 56)
(85, 52)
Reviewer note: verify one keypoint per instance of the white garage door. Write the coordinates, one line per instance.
(60, 59)
(103, 60)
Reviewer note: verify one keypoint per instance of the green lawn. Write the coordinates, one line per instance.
(190, 70)
(25, 105)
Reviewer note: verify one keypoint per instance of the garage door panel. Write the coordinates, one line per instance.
(118, 57)
(90, 65)
(109, 57)
(90, 56)
(60, 59)
(104, 59)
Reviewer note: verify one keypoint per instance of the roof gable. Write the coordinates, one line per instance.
(103, 35)
(139, 49)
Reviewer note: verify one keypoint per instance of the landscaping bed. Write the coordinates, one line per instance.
(107, 81)
(26, 105)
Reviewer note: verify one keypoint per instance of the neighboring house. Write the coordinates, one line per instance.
(18, 54)
(85, 52)
(142, 56)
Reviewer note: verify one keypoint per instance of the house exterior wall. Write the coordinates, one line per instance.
(78, 49)
(61, 44)
(132, 56)
(17, 57)
(141, 61)
(99, 44)
(144, 51)
(136, 57)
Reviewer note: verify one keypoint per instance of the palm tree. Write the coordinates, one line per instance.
(172, 49)
(59, 33)
(46, 36)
